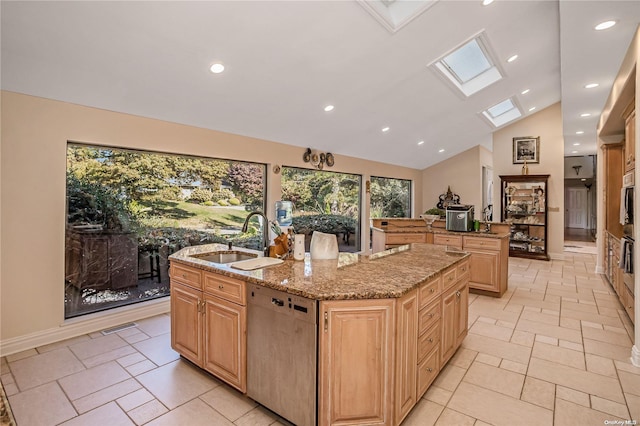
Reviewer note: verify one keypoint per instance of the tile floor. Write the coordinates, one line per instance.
(554, 350)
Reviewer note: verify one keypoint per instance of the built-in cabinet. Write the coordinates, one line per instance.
(618, 161)
(629, 116)
(524, 207)
(208, 322)
(417, 333)
(355, 362)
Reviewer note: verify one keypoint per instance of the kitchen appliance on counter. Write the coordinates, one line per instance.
(282, 353)
(459, 217)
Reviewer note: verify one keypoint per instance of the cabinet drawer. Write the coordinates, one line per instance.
(462, 270)
(449, 278)
(481, 243)
(429, 291)
(405, 238)
(186, 275)
(226, 288)
(428, 316)
(448, 240)
(429, 341)
(628, 301)
(427, 371)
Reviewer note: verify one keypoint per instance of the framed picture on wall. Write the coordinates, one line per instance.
(526, 149)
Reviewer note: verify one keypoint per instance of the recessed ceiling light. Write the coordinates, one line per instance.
(531, 109)
(421, 143)
(441, 150)
(524, 92)
(583, 180)
(591, 85)
(586, 114)
(574, 152)
(217, 68)
(385, 129)
(328, 108)
(580, 132)
(604, 25)
(486, 2)
(576, 144)
(512, 58)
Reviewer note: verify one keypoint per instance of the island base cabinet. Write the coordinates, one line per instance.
(208, 329)
(406, 355)
(484, 270)
(186, 322)
(355, 362)
(225, 350)
(455, 303)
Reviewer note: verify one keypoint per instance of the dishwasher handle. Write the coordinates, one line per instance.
(277, 302)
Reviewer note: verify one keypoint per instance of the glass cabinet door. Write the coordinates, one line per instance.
(524, 207)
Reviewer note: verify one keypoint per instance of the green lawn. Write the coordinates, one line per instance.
(182, 214)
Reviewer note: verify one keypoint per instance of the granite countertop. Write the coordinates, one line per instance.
(388, 274)
(422, 229)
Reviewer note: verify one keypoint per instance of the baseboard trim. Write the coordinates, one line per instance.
(635, 355)
(556, 256)
(84, 325)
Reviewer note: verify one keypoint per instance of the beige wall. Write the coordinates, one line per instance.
(35, 132)
(463, 173)
(548, 125)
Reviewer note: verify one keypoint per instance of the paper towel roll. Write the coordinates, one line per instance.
(298, 247)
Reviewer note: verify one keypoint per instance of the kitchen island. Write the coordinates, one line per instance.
(387, 323)
(489, 261)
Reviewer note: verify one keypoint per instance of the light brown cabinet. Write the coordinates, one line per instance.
(406, 354)
(355, 362)
(488, 267)
(208, 322)
(378, 357)
(186, 322)
(455, 302)
(448, 240)
(630, 137)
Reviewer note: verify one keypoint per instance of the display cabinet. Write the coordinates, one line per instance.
(524, 208)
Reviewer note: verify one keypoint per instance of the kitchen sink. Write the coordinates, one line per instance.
(225, 256)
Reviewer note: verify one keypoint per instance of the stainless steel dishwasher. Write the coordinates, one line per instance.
(282, 353)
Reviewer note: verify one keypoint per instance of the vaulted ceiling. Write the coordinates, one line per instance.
(286, 60)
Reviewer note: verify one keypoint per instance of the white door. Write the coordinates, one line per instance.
(576, 207)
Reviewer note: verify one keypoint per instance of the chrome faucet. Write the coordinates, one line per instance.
(265, 230)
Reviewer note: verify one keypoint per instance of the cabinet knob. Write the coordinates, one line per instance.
(429, 369)
(220, 286)
(184, 275)
(458, 293)
(430, 339)
(431, 315)
(432, 290)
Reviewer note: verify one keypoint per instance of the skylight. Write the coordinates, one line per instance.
(395, 14)
(470, 67)
(468, 62)
(502, 113)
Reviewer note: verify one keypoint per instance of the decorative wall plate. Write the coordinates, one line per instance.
(329, 159)
(306, 157)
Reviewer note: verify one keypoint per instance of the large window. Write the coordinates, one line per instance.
(127, 211)
(390, 197)
(325, 201)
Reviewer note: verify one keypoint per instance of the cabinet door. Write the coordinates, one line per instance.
(355, 362)
(449, 325)
(630, 142)
(462, 312)
(485, 270)
(406, 354)
(225, 349)
(186, 322)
